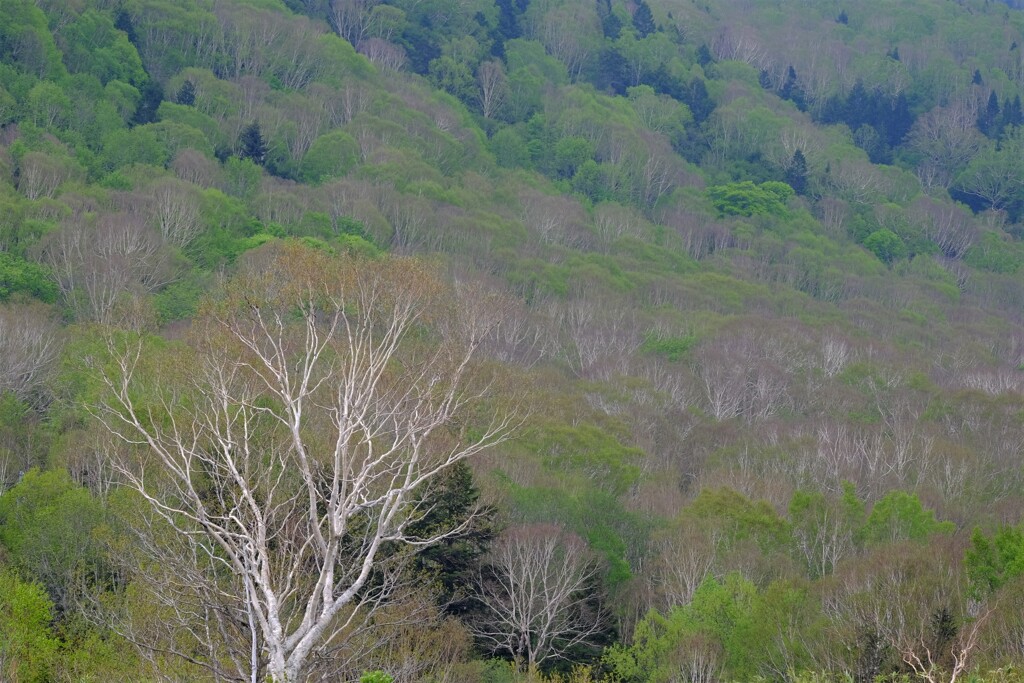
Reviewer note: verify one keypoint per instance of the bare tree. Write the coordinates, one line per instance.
(384, 54)
(351, 18)
(946, 139)
(176, 211)
(490, 76)
(97, 264)
(685, 557)
(39, 175)
(925, 663)
(194, 167)
(948, 225)
(289, 443)
(538, 601)
(28, 347)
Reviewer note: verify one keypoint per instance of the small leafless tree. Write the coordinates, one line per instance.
(538, 598)
(195, 167)
(686, 557)
(385, 55)
(39, 175)
(175, 211)
(351, 18)
(29, 344)
(490, 76)
(288, 443)
(947, 224)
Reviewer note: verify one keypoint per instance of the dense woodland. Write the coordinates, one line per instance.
(512, 340)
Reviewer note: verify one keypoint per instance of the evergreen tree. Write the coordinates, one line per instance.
(643, 20)
(186, 94)
(123, 22)
(857, 109)
(898, 122)
(611, 26)
(977, 79)
(842, 18)
(251, 144)
(704, 56)
(1012, 113)
(152, 96)
(988, 118)
(450, 503)
(796, 174)
(699, 101)
(611, 74)
(791, 89)
(508, 22)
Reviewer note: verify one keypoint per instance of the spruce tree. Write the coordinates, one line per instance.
(251, 144)
(643, 20)
(988, 118)
(186, 94)
(704, 56)
(796, 174)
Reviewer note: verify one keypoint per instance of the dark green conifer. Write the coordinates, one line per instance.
(251, 144)
(796, 174)
(643, 20)
(186, 94)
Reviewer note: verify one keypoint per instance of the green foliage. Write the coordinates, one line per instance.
(376, 677)
(674, 349)
(242, 177)
(139, 145)
(190, 117)
(453, 76)
(995, 253)
(180, 299)
(993, 561)
(719, 618)
(825, 528)
(509, 148)
(94, 46)
(330, 156)
(28, 649)
(886, 245)
(612, 466)
(740, 519)
(26, 42)
(49, 106)
(569, 154)
(596, 515)
(47, 525)
(18, 276)
(747, 199)
(899, 516)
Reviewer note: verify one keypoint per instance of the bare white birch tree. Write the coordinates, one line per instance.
(537, 601)
(290, 440)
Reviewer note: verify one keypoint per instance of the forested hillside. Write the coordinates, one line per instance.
(511, 340)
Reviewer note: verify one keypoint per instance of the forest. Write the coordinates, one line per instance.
(511, 341)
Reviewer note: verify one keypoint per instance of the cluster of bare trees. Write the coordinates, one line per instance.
(100, 262)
